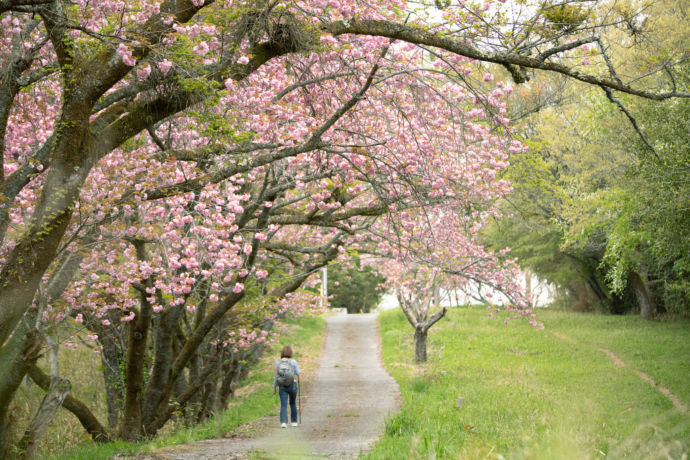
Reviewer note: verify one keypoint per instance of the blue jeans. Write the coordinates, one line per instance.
(285, 393)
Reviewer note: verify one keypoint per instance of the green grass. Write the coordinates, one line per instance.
(531, 394)
(255, 400)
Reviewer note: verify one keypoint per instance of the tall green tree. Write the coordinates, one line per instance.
(600, 202)
(648, 233)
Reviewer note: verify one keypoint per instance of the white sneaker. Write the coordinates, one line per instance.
(294, 423)
(283, 425)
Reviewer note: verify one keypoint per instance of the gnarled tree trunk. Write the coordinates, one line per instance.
(132, 421)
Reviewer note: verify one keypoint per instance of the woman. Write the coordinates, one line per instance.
(285, 378)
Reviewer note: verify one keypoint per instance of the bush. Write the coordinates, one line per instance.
(355, 288)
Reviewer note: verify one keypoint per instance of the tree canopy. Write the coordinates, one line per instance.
(599, 204)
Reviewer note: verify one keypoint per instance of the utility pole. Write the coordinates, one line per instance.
(324, 284)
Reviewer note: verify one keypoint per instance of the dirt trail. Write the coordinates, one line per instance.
(344, 406)
(644, 376)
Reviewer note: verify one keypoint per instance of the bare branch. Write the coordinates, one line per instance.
(79, 409)
(405, 307)
(459, 46)
(304, 83)
(435, 318)
(157, 140)
(568, 46)
(128, 92)
(609, 64)
(633, 121)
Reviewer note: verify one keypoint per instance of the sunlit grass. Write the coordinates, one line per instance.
(530, 394)
(255, 399)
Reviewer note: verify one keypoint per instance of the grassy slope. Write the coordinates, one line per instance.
(533, 394)
(255, 399)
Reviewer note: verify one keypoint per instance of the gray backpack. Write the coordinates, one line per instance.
(285, 374)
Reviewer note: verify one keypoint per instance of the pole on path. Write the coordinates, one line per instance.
(324, 286)
(299, 400)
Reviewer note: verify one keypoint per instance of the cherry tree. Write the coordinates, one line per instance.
(175, 251)
(418, 294)
(46, 50)
(441, 246)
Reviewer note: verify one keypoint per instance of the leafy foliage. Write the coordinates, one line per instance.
(651, 230)
(594, 209)
(355, 287)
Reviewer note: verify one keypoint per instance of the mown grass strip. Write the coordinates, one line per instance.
(530, 394)
(305, 335)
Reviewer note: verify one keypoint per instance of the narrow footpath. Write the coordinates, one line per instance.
(343, 407)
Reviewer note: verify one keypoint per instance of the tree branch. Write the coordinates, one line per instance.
(21, 5)
(426, 326)
(460, 47)
(633, 121)
(311, 81)
(72, 404)
(405, 307)
(567, 46)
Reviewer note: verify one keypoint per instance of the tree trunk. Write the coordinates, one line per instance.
(182, 400)
(59, 388)
(209, 401)
(111, 357)
(130, 429)
(163, 357)
(420, 335)
(600, 292)
(194, 402)
(227, 388)
(136, 357)
(132, 422)
(35, 250)
(642, 294)
(209, 396)
(189, 348)
(16, 356)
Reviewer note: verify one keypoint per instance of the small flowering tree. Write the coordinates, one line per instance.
(418, 294)
(440, 246)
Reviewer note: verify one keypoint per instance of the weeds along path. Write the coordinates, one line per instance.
(344, 406)
(643, 375)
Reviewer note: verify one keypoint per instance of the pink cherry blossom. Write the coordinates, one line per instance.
(126, 55)
(144, 71)
(164, 66)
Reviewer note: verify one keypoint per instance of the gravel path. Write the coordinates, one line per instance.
(344, 406)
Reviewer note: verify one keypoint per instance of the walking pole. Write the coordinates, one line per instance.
(299, 400)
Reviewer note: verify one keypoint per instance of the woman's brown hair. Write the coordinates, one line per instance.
(286, 352)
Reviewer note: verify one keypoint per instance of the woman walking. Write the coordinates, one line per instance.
(285, 378)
